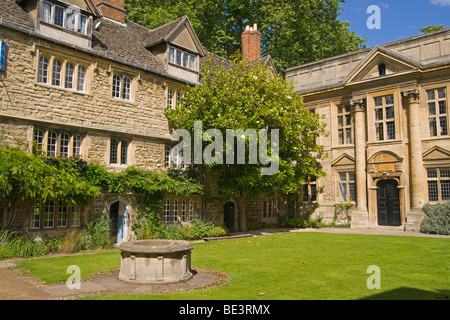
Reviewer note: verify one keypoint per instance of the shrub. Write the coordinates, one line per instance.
(26, 246)
(99, 233)
(302, 223)
(74, 241)
(148, 225)
(342, 213)
(437, 218)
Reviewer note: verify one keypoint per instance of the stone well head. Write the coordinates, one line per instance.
(155, 261)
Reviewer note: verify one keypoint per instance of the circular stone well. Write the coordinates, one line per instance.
(155, 261)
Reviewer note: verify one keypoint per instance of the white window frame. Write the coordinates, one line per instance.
(61, 73)
(75, 217)
(77, 144)
(63, 213)
(52, 143)
(170, 104)
(166, 214)
(182, 58)
(64, 143)
(175, 210)
(118, 152)
(345, 184)
(38, 138)
(69, 75)
(191, 211)
(438, 179)
(122, 87)
(167, 151)
(35, 217)
(345, 129)
(183, 211)
(54, 17)
(437, 117)
(77, 23)
(44, 63)
(81, 78)
(49, 215)
(385, 121)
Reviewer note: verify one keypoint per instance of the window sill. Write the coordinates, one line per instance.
(180, 66)
(49, 24)
(343, 146)
(49, 86)
(376, 143)
(120, 166)
(436, 138)
(132, 102)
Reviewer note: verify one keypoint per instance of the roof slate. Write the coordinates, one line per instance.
(125, 43)
(12, 13)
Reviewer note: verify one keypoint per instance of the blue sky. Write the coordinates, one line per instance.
(399, 18)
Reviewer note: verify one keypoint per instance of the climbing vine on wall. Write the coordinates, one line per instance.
(73, 181)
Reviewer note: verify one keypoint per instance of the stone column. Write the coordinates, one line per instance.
(361, 214)
(416, 173)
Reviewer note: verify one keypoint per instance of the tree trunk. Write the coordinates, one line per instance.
(4, 216)
(7, 216)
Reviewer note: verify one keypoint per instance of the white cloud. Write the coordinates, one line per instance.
(441, 3)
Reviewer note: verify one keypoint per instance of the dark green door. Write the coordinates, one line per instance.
(388, 203)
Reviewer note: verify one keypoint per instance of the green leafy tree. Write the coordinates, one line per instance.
(293, 32)
(250, 96)
(431, 28)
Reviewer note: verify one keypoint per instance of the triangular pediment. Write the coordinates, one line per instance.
(381, 62)
(178, 32)
(185, 36)
(343, 160)
(436, 154)
(86, 5)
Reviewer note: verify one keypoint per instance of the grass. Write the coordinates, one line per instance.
(54, 269)
(295, 266)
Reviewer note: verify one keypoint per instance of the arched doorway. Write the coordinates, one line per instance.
(118, 215)
(388, 203)
(229, 215)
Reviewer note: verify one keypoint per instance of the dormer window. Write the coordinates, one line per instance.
(70, 18)
(182, 58)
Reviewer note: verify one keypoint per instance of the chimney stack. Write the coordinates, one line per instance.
(251, 43)
(112, 9)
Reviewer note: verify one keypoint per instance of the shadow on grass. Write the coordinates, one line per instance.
(410, 294)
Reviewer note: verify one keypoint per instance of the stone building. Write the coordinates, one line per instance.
(79, 78)
(386, 110)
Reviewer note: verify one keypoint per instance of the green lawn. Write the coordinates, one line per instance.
(295, 266)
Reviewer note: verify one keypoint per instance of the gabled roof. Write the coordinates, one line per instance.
(125, 42)
(167, 32)
(93, 8)
(396, 62)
